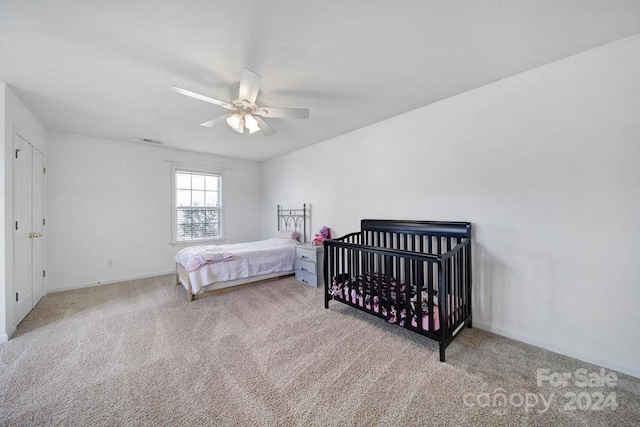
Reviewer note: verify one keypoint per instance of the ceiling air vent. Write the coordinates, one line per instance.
(153, 141)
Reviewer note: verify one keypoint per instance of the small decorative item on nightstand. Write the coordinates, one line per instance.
(309, 264)
(323, 234)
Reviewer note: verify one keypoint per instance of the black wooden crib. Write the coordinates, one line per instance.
(416, 274)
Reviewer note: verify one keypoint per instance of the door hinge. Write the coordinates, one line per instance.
(44, 222)
(44, 273)
(44, 170)
(17, 297)
(17, 151)
(16, 225)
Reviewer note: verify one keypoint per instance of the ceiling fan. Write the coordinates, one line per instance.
(247, 115)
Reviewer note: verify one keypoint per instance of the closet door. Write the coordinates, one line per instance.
(28, 213)
(22, 216)
(37, 225)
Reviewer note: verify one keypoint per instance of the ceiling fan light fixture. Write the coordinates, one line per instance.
(251, 123)
(236, 122)
(240, 128)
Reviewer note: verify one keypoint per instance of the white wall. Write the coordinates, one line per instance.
(14, 117)
(546, 165)
(111, 199)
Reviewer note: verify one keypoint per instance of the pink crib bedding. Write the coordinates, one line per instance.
(363, 291)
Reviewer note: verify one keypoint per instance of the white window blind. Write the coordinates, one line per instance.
(197, 214)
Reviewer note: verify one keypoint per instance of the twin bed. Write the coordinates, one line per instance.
(205, 270)
(415, 274)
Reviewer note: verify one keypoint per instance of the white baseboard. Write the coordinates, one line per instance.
(560, 350)
(107, 282)
(5, 337)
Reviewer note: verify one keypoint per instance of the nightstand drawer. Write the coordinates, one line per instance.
(306, 252)
(308, 279)
(304, 265)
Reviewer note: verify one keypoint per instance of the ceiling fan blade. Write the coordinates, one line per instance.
(249, 86)
(283, 113)
(215, 122)
(264, 127)
(203, 98)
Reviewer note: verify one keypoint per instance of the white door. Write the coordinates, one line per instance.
(22, 216)
(28, 212)
(37, 225)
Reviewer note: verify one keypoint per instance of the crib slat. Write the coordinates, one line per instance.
(368, 271)
(452, 291)
(419, 287)
(442, 293)
(408, 284)
(449, 312)
(430, 295)
(459, 286)
(463, 298)
(409, 280)
(469, 277)
(463, 293)
(430, 273)
(456, 305)
(462, 306)
(354, 285)
(336, 260)
(355, 254)
(343, 261)
(382, 284)
(327, 276)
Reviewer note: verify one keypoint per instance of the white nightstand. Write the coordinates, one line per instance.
(309, 265)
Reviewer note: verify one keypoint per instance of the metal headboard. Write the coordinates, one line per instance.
(293, 219)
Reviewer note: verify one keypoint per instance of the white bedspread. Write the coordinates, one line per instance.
(194, 257)
(273, 255)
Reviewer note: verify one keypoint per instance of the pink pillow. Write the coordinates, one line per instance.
(288, 234)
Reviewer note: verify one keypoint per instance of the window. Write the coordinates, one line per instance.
(197, 208)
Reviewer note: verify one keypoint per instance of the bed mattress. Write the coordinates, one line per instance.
(275, 255)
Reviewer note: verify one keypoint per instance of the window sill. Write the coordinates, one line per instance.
(198, 241)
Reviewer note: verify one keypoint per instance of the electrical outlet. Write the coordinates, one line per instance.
(109, 262)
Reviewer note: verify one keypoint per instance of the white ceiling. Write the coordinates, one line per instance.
(103, 68)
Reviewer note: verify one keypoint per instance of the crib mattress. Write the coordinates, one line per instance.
(369, 291)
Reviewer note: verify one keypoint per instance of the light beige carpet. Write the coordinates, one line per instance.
(137, 353)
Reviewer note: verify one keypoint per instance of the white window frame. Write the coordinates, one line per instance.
(174, 208)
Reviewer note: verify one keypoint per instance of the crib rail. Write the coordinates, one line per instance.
(433, 237)
(354, 238)
(420, 281)
(455, 281)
